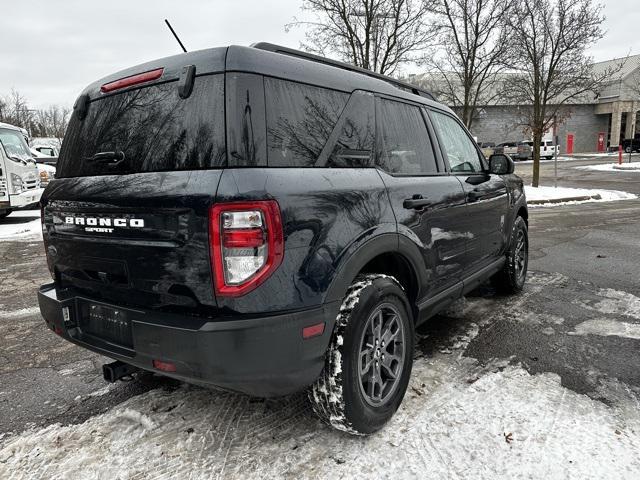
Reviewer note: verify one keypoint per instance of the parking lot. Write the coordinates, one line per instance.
(544, 383)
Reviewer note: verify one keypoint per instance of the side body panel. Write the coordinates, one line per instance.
(327, 213)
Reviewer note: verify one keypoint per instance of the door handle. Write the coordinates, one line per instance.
(473, 195)
(417, 202)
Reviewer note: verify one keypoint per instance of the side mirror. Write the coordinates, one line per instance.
(501, 164)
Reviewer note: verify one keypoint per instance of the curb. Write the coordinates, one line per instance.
(565, 199)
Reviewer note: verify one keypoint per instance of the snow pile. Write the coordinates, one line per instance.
(613, 167)
(552, 196)
(607, 327)
(23, 225)
(457, 421)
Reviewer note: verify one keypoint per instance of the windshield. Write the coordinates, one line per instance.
(14, 145)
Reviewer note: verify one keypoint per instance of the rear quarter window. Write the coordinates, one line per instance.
(153, 127)
(300, 119)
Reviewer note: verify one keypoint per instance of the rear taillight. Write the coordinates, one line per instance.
(132, 80)
(247, 244)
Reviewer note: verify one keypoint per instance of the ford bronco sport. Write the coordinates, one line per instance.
(266, 221)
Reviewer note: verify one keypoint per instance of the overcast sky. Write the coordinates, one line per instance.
(51, 49)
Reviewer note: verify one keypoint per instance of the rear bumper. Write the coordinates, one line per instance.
(27, 197)
(264, 356)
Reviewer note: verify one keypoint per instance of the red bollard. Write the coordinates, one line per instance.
(619, 154)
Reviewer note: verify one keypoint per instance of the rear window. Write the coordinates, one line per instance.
(300, 119)
(151, 129)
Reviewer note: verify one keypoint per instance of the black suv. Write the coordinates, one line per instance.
(264, 220)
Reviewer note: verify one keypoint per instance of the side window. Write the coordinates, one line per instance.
(354, 146)
(461, 152)
(405, 146)
(300, 119)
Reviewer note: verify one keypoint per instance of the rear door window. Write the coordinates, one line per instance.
(152, 129)
(300, 119)
(404, 146)
(458, 146)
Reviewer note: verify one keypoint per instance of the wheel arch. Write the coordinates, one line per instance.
(389, 254)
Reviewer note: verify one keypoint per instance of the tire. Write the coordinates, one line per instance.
(5, 213)
(341, 395)
(627, 149)
(511, 278)
(549, 158)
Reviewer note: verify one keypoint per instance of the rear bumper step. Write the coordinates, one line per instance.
(261, 356)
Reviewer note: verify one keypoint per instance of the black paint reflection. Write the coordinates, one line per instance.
(300, 119)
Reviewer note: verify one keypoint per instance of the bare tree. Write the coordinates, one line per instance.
(474, 35)
(14, 109)
(49, 122)
(550, 42)
(380, 35)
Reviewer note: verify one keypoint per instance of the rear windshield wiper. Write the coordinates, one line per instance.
(109, 158)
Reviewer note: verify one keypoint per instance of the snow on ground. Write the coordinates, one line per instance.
(606, 328)
(23, 225)
(452, 424)
(613, 167)
(596, 155)
(544, 160)
(563, 195)
(616, 302)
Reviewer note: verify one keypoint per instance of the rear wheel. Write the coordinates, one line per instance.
(627, 149)
(368, 364)
(5, 213)
(514, 273)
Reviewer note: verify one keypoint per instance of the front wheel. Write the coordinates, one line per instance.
(369, 360)
(627, 150)
(514, 273)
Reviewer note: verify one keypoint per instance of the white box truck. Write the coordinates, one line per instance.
(19, 177)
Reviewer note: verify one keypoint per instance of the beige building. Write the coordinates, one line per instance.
(620, 99)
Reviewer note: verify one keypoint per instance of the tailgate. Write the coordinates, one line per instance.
(126, 219)
(138, 240)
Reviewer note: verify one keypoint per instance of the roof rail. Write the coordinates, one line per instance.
(270, 47)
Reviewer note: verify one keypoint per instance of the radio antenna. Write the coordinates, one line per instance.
(175, 35)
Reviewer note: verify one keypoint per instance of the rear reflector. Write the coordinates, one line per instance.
(164, 366)
(132, 80)
(313, 330)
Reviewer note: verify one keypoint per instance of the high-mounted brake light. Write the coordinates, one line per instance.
(247, 244)
(132, 80)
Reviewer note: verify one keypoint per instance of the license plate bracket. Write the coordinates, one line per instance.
(107, 323)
